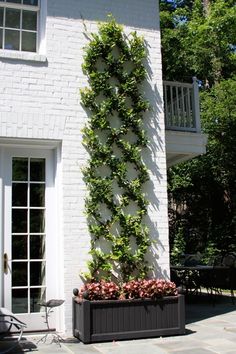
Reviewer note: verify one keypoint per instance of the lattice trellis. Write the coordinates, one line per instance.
(114, 137)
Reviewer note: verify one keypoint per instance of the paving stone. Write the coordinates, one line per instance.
(220, 344)
(230, 329)
(80, 348)
(108, 344)
(217, 324)
(137, 341)
(199, 350)
(134, 349)
(177, 345)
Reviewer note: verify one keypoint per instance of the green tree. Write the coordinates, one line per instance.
(204, 189)
(198, 39)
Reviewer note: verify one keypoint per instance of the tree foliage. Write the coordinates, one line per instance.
(198, 39)
(198, 42)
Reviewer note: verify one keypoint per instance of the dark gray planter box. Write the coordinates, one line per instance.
(107, 320)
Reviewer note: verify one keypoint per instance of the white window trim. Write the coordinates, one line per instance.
(42, 27)
(40, 55)
(58, 261)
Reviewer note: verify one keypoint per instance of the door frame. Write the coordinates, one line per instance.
(31, 147)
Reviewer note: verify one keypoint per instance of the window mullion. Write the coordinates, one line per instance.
(3, 29)
(19, 6)
(28, 231)
(38, 34)
(21, 16)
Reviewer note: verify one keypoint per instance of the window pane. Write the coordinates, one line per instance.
(19, 220)
(37, 247)
(37, 273)
(1, 16)
(20, 169)
(29, 20)
(12, 40)
(15, 1)
(37, 195)
(37, 221)
(30, 2)
(28, 42)
(19, 247)
(37, 296)
(19, 273)
(19, 300)
(1, 38)
(19, 194)
(37, 170)
(12, 18)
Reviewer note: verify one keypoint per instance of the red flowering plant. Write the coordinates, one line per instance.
(131, 289)
(100, 290)
(152, 289)
(134, 289)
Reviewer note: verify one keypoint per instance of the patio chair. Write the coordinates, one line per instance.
(9, 323)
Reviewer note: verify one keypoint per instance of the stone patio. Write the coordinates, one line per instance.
(210, 328)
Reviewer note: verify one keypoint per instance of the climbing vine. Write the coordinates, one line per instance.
(114, 137)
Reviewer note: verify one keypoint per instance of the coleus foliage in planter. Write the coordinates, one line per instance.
(134, 289)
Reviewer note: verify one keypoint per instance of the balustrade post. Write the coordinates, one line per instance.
(196, 105)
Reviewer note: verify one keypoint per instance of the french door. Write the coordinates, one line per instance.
(29, 241)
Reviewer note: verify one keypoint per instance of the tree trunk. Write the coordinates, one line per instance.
(206, 6)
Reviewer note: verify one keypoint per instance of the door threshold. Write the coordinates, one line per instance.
(40, 331)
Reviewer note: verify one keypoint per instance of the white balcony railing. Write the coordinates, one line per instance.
(181, 104)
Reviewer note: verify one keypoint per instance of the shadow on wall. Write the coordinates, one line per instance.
(130, 13)
(24, 63)
(150, 157)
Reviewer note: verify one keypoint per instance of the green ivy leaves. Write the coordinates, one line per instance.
(114, 66)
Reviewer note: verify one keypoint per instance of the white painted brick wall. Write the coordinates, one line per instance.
(41, 100)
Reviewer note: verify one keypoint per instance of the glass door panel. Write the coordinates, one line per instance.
(28, 227)
(30, 242)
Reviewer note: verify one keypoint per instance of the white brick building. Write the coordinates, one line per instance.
(40, 130)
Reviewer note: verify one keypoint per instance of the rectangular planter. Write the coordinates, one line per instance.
(107, 320)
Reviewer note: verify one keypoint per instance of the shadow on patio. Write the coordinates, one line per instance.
(203, 306)
(11, 346)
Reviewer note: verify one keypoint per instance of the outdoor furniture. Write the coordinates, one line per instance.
(8, 321)
(49, 305)
(212, 278)
(187, 278)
